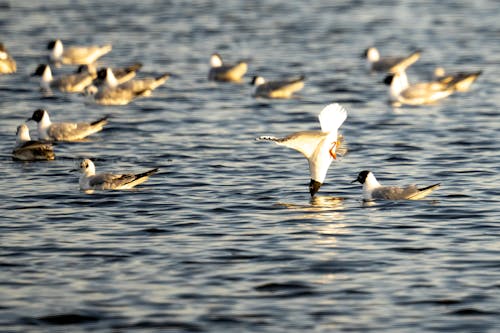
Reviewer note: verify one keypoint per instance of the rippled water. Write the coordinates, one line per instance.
(225, 238)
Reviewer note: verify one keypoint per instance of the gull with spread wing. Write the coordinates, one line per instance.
(319, 147)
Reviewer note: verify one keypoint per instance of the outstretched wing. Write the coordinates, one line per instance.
(332, 117)
(305, 142)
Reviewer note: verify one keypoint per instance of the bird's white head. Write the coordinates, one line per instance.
(87, 167)
(23, 133)
(372, 54)
(258, 80)
(215, 60)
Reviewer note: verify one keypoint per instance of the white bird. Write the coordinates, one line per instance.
(277, 89)
(319, 147)
(75, 55)
(401, 92)
(90, 181)
(226, 72)
(66, 83)
(26, 149)
(461, 80)
(373, 190)
(376, 63)
(7, 63)
(64, 131)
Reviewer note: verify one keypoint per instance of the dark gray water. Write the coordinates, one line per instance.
(225, 237)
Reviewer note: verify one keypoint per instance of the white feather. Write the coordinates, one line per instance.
(332, 117)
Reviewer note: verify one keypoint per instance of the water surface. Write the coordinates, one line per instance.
(225, 237)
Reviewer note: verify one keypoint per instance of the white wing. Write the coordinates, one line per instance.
(332, 117)
(305, 142)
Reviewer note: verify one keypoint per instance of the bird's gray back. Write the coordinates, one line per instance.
(394, 192)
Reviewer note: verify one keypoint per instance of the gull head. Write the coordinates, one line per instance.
(53, 44)
(38, 115)
(87, 167)
(314, 187)
(257, 80)
(23, 133)
(362, 176)
(388, 79)
(372, 54)
(215, 60)
(40, 70)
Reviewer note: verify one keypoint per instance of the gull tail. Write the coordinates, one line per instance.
(302, 77)
(106, 48)
(296, 79)
(332, 117)
(100, 122)
(295, 84)
(147, 173)
(461, 81)
(159, 80)
(163, 77)
(142, 93)
(141, 177)
(423, 192)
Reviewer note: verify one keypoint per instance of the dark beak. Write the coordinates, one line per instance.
(314, 187)
(355, 180)
(29, 119)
